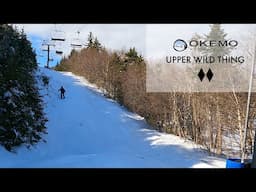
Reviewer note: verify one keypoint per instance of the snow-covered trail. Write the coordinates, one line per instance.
(88, 130)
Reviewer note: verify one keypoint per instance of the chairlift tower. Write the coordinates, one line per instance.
(48, 52)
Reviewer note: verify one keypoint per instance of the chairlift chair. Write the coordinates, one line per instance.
(58, 48)
(76, 43)
(44, 47)
(58, 35)
(59, 52)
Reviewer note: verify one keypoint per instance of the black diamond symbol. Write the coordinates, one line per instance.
(209, 74)
(201, 74)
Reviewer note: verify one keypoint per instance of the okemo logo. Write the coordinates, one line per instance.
(181, 45)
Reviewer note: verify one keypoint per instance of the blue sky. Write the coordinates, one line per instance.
(42, 55)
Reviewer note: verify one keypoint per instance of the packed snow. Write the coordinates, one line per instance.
(87, 130)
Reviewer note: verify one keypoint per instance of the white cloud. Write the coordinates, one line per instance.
(41, 30)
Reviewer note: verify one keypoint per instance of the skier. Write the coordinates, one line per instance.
(62, 91)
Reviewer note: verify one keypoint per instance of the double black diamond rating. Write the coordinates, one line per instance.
(202, 74)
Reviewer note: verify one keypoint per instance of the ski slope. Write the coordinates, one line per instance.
(90, 131)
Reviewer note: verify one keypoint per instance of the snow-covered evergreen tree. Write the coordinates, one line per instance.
(21, 112)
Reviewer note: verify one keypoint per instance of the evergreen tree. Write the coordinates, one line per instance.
(93, 42)
(132, 55)
(21, 112)
(117, 67)
(97, 44)
(217, 34)
(90, 42)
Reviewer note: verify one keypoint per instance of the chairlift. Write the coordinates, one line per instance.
(76, 43)
(44, 47)
(58, 35)
(58, 48)
(59, 52)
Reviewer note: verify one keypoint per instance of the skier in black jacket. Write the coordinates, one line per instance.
(62, 92)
